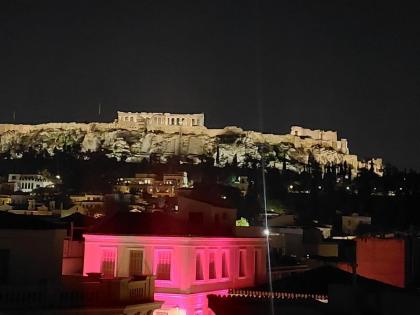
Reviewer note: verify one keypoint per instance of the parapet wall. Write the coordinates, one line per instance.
(322, 137)
(314, 134)
(64, 126)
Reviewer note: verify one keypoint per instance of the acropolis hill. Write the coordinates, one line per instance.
(136, 136)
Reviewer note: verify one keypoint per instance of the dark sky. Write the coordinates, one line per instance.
(351, 66)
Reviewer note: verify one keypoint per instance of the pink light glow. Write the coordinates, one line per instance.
(191, 303)
(182, 288)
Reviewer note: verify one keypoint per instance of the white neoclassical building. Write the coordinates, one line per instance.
(161, 119)
(28, 182)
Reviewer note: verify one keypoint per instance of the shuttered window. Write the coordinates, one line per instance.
(212, 265)
(225, 268)
(242, 266)
(199, 273)
(136, 262)
(108, 262)
(163, 267)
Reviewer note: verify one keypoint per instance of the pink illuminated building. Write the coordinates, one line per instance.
(188, 265)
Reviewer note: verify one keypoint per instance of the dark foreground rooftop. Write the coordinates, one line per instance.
(28, 222)
(317, 281)
(157, 223)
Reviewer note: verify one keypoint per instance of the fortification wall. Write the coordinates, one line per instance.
(314, 134)
(195, 130)
(64, 126)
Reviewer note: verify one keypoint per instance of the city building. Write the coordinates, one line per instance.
(165, 186)
(91, 204)
(349, 224)
(31, 281)
(391, 259)
(28, 182)
(190, 260)
(5, 200)
(30, 249)
(74, 245)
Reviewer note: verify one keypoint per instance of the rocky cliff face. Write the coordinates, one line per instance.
(228, 145)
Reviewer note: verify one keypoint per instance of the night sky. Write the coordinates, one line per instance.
(350, 66)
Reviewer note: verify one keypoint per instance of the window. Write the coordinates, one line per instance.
(212, 265)
(163, 266)
(136, 262)
(108, 262)
(225, 267)
(242, 266)
(199, 273)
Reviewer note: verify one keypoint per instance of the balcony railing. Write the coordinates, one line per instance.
(77, 292)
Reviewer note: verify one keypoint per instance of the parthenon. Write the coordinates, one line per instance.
(161, 119)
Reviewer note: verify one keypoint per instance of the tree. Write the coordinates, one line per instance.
(217, 155)
(235, 161)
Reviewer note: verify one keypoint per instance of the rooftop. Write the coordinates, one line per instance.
(157, 223)
(28, 222)
(316, 281)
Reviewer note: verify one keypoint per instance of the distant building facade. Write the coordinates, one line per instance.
(389, 259)
(165, 186)
(30, 250)
(349, 224)
(28, 182)
(192, 252)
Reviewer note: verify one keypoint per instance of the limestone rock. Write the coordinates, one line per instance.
(225, 146)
